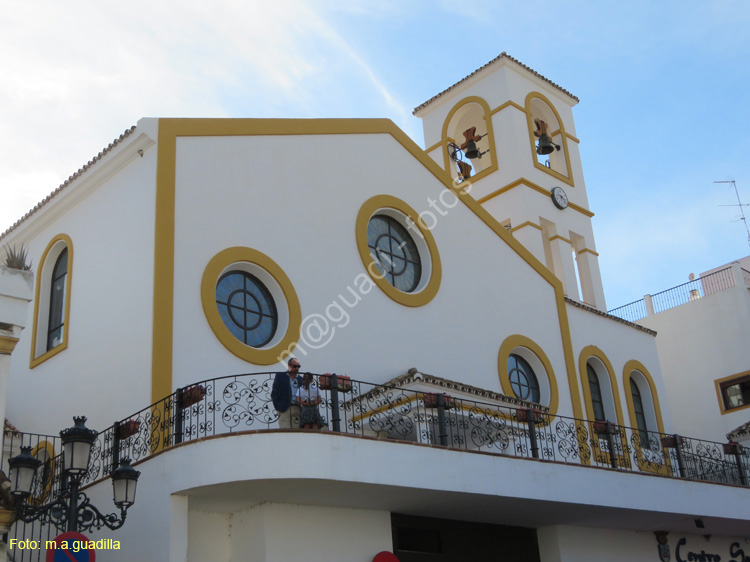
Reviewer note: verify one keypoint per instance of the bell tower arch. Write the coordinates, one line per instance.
(529, 176)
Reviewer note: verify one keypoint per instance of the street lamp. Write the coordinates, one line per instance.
(72, 511)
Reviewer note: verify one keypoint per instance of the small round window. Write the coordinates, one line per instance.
(523, 381)
(395, 253)
(246, 308)
(398, 250)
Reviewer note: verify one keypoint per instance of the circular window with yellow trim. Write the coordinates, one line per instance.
(251, 305)
(398, 251)
(525, 372)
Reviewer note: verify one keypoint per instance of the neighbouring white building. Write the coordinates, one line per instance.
(702, 343)
(192, 256)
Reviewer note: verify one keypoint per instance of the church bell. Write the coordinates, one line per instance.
(545, 146)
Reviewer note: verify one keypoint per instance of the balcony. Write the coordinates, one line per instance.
(399, 413)
(717, 281)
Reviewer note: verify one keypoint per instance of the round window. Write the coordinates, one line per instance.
(523, 381)
(398, 250)
(246, 308)
(394, 252)
(251, 305)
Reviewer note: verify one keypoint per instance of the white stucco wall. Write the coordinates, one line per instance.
(108, 213)
(699, 342)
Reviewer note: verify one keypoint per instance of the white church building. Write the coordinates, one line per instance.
(495, 411)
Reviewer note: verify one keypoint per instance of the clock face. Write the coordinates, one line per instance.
(559, 198)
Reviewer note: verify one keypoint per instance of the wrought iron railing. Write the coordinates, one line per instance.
(242, 403)
(679, 295)
(632, 312)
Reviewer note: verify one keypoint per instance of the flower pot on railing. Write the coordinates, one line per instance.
(671, 441)
(733, 448)
(529, 414)
(431, 400)
(344, 383)
(192, 395)
(604, 428)
(128, 429)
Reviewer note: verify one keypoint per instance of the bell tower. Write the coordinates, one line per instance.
(510, 132)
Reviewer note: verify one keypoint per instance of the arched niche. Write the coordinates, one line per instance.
(556, 164)
(470, 112)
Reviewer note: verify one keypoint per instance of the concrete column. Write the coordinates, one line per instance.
(562, 259)
(591, 280)
(531, 237)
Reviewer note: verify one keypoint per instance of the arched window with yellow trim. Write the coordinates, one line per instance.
(468, 140)
(52, 300)
(549, 144)
(642, 412)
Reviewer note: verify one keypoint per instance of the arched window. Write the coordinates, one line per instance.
(640, 413)
(523, 381)
(595, 388)
(544, 119)
(56, 323)
(52, 300)
(469, 120)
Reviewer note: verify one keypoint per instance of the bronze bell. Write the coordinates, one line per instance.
(472, 151)
(546, 146)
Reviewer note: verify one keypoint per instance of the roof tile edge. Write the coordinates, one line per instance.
(480, 69)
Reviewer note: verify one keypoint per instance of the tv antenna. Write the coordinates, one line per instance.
(739, 204)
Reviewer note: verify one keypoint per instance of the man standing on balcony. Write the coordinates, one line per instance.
(284, 395)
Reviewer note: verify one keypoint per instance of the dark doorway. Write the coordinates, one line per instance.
(424, 539)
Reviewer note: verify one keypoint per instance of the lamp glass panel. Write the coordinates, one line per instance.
(21, 479)
(124, 491)
(77, 456)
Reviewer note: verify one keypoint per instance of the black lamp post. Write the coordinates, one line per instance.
(73, 510)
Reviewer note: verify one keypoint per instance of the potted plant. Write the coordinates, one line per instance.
(604, 428)
(529, 414)
(128, 428)
(431, 400)
(733, 448)
(325, 382)
(16, 258)
(192, 395)
(671, 441)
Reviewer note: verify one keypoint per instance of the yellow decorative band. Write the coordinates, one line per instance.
(527, 223)
(589, 251)
(508, 104)
(558, 237)
(7, 344)
(434, 146)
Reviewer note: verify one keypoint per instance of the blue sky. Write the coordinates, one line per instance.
(663, 89)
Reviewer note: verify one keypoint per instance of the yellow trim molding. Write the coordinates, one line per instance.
(171, 129)
(640, 458)
(239, 255)
(490, 136)
(592, 252)
(7, 344)
(527, 223)
(568, 179)
(47, 447)
(587, 353)
(558, 237)
(631, 366)
(536, 187)
(36, 360)
(508, 103)
(513, 342)
(717, 384)
(366, 212)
